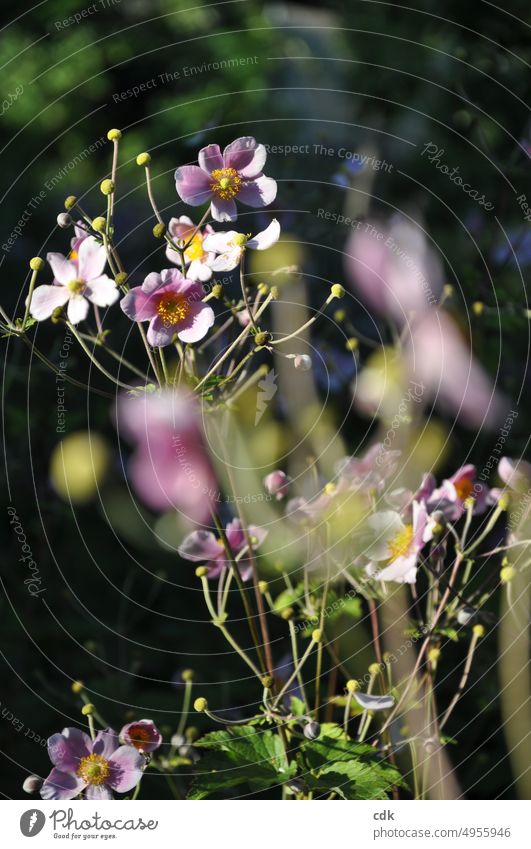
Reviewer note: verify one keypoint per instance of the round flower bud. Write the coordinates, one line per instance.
(374, 668)
(143, 159)
(178, 740)
(478, 631)
(330, 488)
(64, 220)
(448, 291)
(261, 338)
(159, 230)
(267, 682)
(99, 224)
(187, 674)
(107, 187)
(302, 362)
(114, 135)
(274, 292)
(120, 278)
(478, 308)
(311, 730)
(339, 315)
(276, 484)
(434, 655)
(56, 315)
(263, 288)
(465, 615)
(70, 201)
(317, 635)
(36, 263)
(217, 290)
(77, 686)
(352, 685)
(263, 586)
(88, 710)
(32, 784)
(287, 613)
(352, 344)
(507, 574)
(200, 705)
(201, 571)
(337, 290)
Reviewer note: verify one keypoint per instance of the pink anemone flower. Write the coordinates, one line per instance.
(220, 178)
(203, 547)
(142, 734)
(77, 281)
(196, 256)
(170, 469)
(451, 496)
(396, 545)
(173, 306)
(93, 767)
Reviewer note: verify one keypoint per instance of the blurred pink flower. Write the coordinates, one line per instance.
(450, 497)
(203, 547)
(169, 469)
(393, 268)
(277, 484)
(396, 545)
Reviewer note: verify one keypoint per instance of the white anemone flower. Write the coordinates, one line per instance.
(231, 245)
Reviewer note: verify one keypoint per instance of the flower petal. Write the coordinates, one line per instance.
(246, 156)
(193, 185)
(223, 210)
(197, 323)
(91, 259)
(46, 299)
(227, 261)
(403, 570)
(259, 192)
(106, 743)
(200, 545)
(127, 768)
(219, 242)
(96, 793)
(62, 785)
(266, 238)
(159, 333)
(77, 309)
(65, 750)
(370, 702)
(102, 291)
(210, 158)
(63, 270)
(138, 305)
(199, 270)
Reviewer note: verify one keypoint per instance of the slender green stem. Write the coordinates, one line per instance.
(188, 685)
(94, 361)
(295, 653)
(33, 280)
(296, 671)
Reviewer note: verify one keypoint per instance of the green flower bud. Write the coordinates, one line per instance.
(478, 631)
(36, 264)
(99, 224)
(56, 315)
(70, 201)
(317, 635)
(507, 574)
(352, 685)
(114, 135)
(434, 655)
(187, 675)
(274, 292)
(263, 586)
(337, 290)
(374, 668)
(217, 290)
(261, 338)
(201, 571)
(77, 686)
(287, 613)
(159, 230)
(120, 278)
(88, 710)
(267, 682)
(200, 705)
(143, 159)
(107, 187)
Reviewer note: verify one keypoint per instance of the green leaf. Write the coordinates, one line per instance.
(241, 755)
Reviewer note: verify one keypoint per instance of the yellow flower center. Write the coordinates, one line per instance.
(173, 307)
(76, 286)
(464, 488)
(240, 240)
(195, 249)
(226, 183)
(94, 769)
(401, 542)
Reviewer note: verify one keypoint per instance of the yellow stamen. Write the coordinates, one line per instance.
(173, 307)
(401, 542)
(76, 286)
(195, 249)
(94, 769)
(226, 183)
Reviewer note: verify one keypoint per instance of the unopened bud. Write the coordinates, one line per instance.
(478, 308)
(143, 159)
(217, 290)
(352, 686)
(70, 201)
(267, 682)
(302, 362)
(261, 338)
(200, 705)
(120, 278)
(287, 613)
(99, 224)
(107, 187)
(507, 574)
(77, 686)
(32, 784)
(64, 220)
(55, 317)
(274, 292)
(317, 635)
(339, 315)
(88, 710)
(352, 344)
(187, 675)
(159, 230)
(201, 571)
(36, 263)
(374, 668)
(114, 135)
(311, 730)
(263, 288)
(337, 290)
(434, 655)
(263, 586)
(478, 631)
(277, 484)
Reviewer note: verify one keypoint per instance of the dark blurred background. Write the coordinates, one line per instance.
(380, 79)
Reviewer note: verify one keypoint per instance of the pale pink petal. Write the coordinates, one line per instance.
(151, 282)
(227, 261)
(138, 305)
(403, 570)
(102, 291)
(197, 323)
(63, 270)
(91, 259)
(77, 309)
(97, 793)
(62, 785)
(193, 185)
(160, 334)
(245, 156)
(66, 750)
(223, 210)
(200, 546)
(127, 767)
(199, 270)
(259, 192)
(219, 242)
(266, 238)
(106, 743)
(210, 158)
(46, 299)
